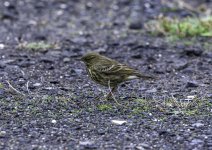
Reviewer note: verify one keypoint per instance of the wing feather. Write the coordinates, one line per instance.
(113, 67)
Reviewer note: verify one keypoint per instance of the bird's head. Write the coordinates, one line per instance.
(90, 58)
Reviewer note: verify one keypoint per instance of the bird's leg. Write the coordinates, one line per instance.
(111, 93)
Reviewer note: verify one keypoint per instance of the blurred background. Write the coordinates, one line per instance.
(93, 20)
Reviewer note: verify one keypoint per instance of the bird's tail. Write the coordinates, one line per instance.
(137, 75)
(146, 77)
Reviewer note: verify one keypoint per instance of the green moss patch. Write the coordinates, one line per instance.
(180, 28)
(104, 107)
(36, 46)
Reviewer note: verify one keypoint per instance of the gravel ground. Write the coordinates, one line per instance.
(47, 101)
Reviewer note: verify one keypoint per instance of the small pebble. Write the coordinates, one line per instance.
(191, 96)
(66, 59)
(191, 84)
(2, 46)
(2, 133)
(37, 84)
(196, 142)
(54, 121)
(151, 90)
(86, 143)
(118, 122)
(198, 124)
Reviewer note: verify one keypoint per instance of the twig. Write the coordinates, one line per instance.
(14, 88)
(27, 86)
(22, 72)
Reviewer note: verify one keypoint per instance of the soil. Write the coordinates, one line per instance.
(47, 100)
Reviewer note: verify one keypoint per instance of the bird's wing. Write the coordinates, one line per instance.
(115, 69)
(112, 68)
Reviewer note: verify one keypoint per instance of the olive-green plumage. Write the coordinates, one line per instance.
(108, 72)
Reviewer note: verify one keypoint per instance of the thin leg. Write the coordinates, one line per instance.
(111, 93)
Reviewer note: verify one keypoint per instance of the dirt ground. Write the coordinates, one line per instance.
(47, 101)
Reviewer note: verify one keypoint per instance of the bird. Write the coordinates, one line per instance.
(108, 72)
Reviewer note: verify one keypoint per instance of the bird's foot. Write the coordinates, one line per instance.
(110, 96)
